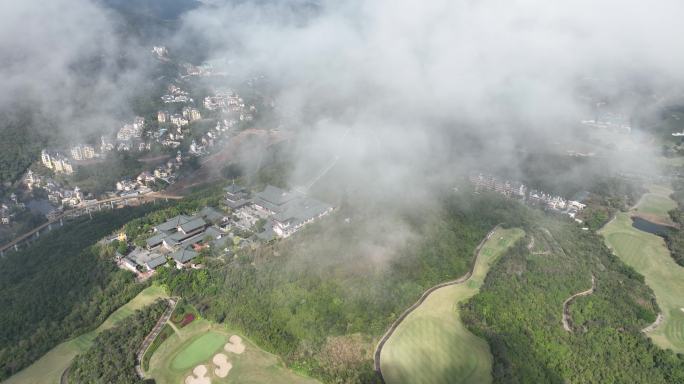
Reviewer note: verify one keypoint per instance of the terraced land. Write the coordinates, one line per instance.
(431, 345)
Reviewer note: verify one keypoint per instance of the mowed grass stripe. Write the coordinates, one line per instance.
(656, 202)
(432, 345)
(648, 255)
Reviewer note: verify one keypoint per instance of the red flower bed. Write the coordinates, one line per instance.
(187, 319)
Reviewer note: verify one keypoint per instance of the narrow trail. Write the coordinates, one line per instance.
(395, 324)
(655, 324)
(566, 304)
(153, 335)
(173, 326)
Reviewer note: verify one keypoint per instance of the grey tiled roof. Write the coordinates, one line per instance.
(234, 188)
(173, 222)
(211, 214)
(193, 225)
(156, 239)
(157, 261)
(184, 255)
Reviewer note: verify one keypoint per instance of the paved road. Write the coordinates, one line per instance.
(153, 335)
(390, 331)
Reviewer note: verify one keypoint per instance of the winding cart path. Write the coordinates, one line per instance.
(566, 304)
(153, 335)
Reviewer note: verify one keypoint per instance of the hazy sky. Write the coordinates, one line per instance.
(410, 78)
(388, 85)
(48, 50)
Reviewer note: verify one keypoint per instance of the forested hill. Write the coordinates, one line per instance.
(21, 139)
(340, 282)
(111, 359)
(519, 309)
(60, 287)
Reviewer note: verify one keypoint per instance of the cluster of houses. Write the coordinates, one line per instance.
(517, 190)
(9, 208)
(143, 182)
(83, 152)
(206, 69)
(57, 162)
(188, 115)
(128, 138)
(58, 195)
(230, 102)
(611, 121)
(181, 238)
(282, 212)
(160, 52)
(176, 95)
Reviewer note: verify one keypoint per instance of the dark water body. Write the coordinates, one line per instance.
(650, 227)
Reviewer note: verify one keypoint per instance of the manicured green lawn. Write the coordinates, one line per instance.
(175, 358)
(656, 202)
(199, 350)
(648, 254)
(432, 345)
(49, 368)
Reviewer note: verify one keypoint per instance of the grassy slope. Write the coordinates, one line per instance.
(49, 368)
(656, 202)
(649, 255)
(252, 366)
(432, 345)
(199, 351)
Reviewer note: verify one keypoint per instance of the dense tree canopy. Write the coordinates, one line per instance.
(61, 286)
(112, 357)
(518, 311)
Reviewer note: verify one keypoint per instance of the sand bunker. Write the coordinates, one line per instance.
(199, 376)
(224, 366)
(235, 345)
(682, 309)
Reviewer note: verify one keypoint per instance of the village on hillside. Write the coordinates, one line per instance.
(517, 190)
(270, 214)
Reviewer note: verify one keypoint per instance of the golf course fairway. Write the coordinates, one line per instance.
(198, 342)
(431, 345)
(648, 254)
(49, 368)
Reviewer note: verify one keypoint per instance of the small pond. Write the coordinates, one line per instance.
(650, 227)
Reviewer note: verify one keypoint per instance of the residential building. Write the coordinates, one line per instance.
(162, 116)
(129, 131)
(191, 114)
(46, 158)
(56, 162)
(82, 152)
(106, 144)
(178, 120)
